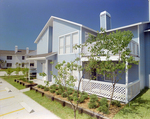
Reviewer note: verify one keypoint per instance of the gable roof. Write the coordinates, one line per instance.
(12, 52)
(50, 23)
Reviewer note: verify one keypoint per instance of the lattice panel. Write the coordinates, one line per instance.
(104, 89)
(133, 90)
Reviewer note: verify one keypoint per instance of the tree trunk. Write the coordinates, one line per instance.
(74, 113)
(111, 95)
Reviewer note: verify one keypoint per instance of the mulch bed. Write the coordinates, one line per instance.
(83, 107)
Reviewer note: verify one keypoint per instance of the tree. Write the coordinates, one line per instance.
(106, 45)
(17, 70)
(9, 71)
(25, 72)
(2, 63)
(42, 74)
(66, 80)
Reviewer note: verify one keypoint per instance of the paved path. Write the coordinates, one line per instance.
(3, 73)
(10, 107)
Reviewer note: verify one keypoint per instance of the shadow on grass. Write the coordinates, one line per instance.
(138, 102)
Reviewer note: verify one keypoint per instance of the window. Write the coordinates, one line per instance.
(22, 57)
(9, 64)
(31, 64)
(22, 64)
(67, 38)
(67, 42)
(61, 45)
(9, 57)
(75, 40)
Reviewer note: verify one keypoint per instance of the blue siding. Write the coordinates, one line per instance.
(88, 31)
(108, 22)
(42, 45)
(50, 39)
(102, 22)
(147, 59)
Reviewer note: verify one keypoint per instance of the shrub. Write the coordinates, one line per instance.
(93, 101)
(64, 94)
(74, 94)
(103, 101)
(54, 87)
(115, 102)
(70, 98)
(52, 90)
(103, 109)
(77, 91)
(46, 88)
(75, 98)
(39, 86)
(85, 95)
(42, 87)
(30, 82)
(69, 92)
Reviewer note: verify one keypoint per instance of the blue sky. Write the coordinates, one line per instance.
(22, 20)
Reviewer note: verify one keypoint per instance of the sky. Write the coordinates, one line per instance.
(21, 21)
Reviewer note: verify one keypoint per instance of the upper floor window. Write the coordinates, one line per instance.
(9, 57)
(66, 43)
(22, 57)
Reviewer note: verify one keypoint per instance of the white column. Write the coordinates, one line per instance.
(126, 82)
(46, 71)
(29, 71)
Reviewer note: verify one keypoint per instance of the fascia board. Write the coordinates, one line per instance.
(37, 58)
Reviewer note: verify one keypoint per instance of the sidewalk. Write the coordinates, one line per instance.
(10, 107)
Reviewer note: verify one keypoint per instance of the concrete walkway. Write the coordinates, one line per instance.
(11, 108)
(41, 82)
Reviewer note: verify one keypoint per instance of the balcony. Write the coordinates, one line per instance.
(133, 46)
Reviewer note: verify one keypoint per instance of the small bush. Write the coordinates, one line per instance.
(46, 88)
(103, 109)
(93, 101)
(103, 101)
(42, 87)
(77, 91)
(52, 90)
(39, 86)
(30, 82)
(74, 94)
(115, 102)
(75, 98)
(64, 94)
(92, 105)
(70, 98)
(69, 92)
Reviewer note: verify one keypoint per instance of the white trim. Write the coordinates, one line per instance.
(126, 77)
(105, 13)
(36, 58)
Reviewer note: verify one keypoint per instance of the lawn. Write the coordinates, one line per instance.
(10, 79)
(139, 107)
(55, 107)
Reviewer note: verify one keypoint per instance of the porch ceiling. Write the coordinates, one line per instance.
(41, 56)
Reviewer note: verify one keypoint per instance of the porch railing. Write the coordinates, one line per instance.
(133, 46)
(104, 89)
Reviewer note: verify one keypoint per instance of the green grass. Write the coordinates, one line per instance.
(139, 107)
(10, 79)
(55, 107)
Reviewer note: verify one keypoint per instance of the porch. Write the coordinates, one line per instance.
(122, 92)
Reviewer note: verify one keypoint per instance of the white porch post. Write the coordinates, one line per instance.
(29, 71)
(126, 82)
(46, 69)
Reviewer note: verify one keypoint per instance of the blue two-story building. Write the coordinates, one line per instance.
(55, 44)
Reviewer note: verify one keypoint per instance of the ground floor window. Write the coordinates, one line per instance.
(22, 64)
(31, 64)
(9, 64)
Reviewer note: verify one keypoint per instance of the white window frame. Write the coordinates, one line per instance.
(71, 42)
(61, 47)
(66, 45)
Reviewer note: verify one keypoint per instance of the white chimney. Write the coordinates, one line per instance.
(105, 20)
(27, 50)
(16, 49)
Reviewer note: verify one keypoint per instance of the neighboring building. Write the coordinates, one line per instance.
(14, 58)
(55, 43)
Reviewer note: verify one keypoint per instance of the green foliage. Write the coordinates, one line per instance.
(42, 87)
(69, 92)
(52, 90)
(85, 95)
(39, 86)
(64, 95)
(70, 98)
(59, 92)
(25, 72)
(30, 81)
(103, 109)
(116, 102)
(93, 101)
(46, 89)
(103, 106)
(46, 83)
(42, 74)
(17, 70)
(9, 71)
(54, 87)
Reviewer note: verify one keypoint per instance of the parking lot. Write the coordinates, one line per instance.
(16, 105)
